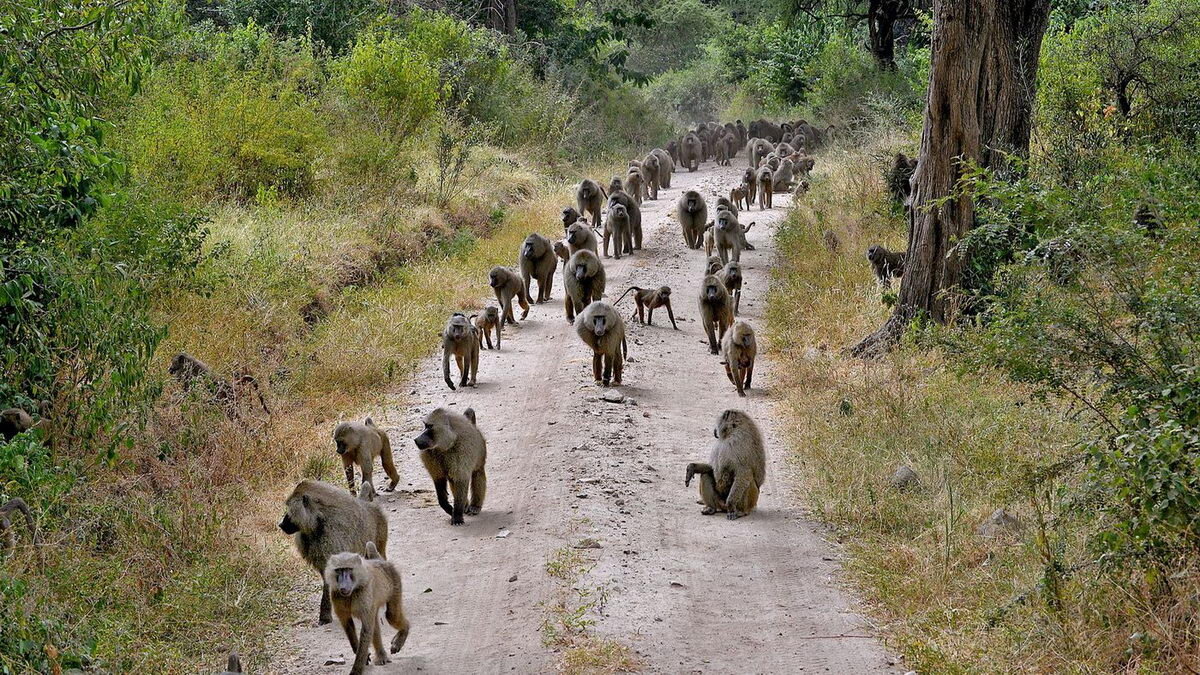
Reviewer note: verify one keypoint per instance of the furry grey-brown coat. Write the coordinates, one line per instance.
(692, 213)
(460, 338)
(508, 286)
(360, 443)
(360, 586)
(739, 349)
(736, 469)
(601, 328)
(454, 452)
(716, 310)
(583, 282)
(538, 263)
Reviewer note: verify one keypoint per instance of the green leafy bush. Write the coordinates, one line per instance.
(677, 35)
(692, 95)
(398, 83)
(329, 22)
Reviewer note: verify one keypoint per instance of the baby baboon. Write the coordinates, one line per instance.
(765, 187)
(740, 198)
(601, 327)
(831, 241)
(589, 198)
(583, 281)
(580, 237)
(739, 348)
(651, 165)
(233, 665)
(736, 470)
(569, 216)
(8, 535)
(616, 229)
(716, 312)
(460, 339)
(713, 265)
(507, 285)
(361, 586)
(691, 152)
(325, 521)
(666, 167)
(728, 235)
(454, 451)
(886, 264)
(360, 443)
(487, 322)
(731, 276)
(648, 300)
(190, 371)
(561, 251)
(634, 239)
(692, 213)
(750, 184)
(538, 263)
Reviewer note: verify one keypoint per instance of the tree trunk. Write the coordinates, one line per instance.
(979, 105)
(881, 25)
(510, 17)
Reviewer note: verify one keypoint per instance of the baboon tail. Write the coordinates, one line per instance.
(631, 288)
(446, 369)
(18, 504)
(625, 345)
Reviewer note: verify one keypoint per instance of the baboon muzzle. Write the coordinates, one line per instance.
(423, 442)
(345, 583)
(580, 272)
(711, 294)
(341, 448)
(288, 526)
(599, 327)
(528, 251)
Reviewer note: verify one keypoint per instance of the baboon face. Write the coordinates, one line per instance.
(587, 191)
(345, 570)
(599, 324)
(729, 421)
(437, 434)
(712, 291)
(301, 513)
(178, 364)
(725, 221)
(494, 278)
(491, 314)
(576, 234)
(664, 292)
(875, 254)
(733, 272)
(692, 201)
(532, 247)
(616, 185)
(617, 210)
(458, 327)
(339, 437)
(581, 269)
(569, 215)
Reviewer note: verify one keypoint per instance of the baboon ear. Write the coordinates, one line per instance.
(369, 422)
(469, 413)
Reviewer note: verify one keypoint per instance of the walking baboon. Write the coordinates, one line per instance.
(636, 184)
(616, 229)
(731, 276)
(537, 262)
(728, 235)
(190, 371)
(589, 198)
(233, 665)
(710, 238)
(561, 251)
(326, 520)
(666, 167)
(14, 421)
(673, 151)
(740, 197)
(508, 286)
(648, 300)
(487, 322)
(454, 451)
(742, 133)
(691, 152)
(651, 164)
(738, 349)
(569, 216)
(581, 237)
(633, 241)
(716, 312)
(583, 282)
(460, 339)
(361, 586)
(713, 265)
(750, 184)
(736, 469)
(601, 328)
(360, 443)
(693, 214)
(8, 534)
(886, 264)
(765, 187)
(899, 176)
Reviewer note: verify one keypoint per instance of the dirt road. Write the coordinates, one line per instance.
(689, 593)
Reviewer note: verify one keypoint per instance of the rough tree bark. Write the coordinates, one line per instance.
(881, 26)
(981, 91)
(501, 15)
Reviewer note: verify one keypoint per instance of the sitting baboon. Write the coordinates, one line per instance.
(899, 176)
(190, 371)
(361, 585)
(693, 214)
(651, 164)
(831, 241)
(648, 300)
(325, 521)
(750, 183)
(569, 216)
(537, 262)
(460, 339)
(783, 149)
(716, 312)
(740, 197)
(766, 182)
(782, 178)
(454, 451)
(8, 534)
(561, 251)
(583, 282)
(589, 198)
(487, 322)
(738, 349)
(581, 237)
(736, 469)
(666, 167)
(233, 665)
(802, 164)
(691, 152)
(728, 235)
(617, 229)
(601, 328)
(713, 265)
(886, 264)
(360, 443)
(634, 240)
(508, 286)
(731, 276)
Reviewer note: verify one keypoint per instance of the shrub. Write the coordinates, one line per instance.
(693, 94)
(397, 82)
(329, 22)
(677, 35)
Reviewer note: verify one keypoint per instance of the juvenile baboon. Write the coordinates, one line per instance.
(899, 176)
(648, 300)
(693, 214)
(361, 586)
(233, 665)
(190, 371)
(740, 197)
(765, 188)
(721, 151)
(736, 469)
(666, 167)
(886, 264)
(487, 322)
(691, 152)
(741, 132)
(716, 311)
(782, 179)
(634, 241)
(360, 443)
(583, 282)
(569, 216)
(728, 235)
(673, 151)
(635, 184)
(651, 164)
(831, 241)
(710, 237)
(460, 339)
(617, 229)
(758, 151)
(454, 451)
(507, 285)
(738, 349)
(589, 199)
(772, 162)
(601, 328)
(537, 263)
(8, 535)
(731, 276)
(713, 265)
(581, 237)
(750, 184)
(561, 251)
(802, 164)
(727, 204)
(326, 520)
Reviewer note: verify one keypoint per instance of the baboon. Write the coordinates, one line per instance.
(487, 322)
(736, 469)
(454, 451)
(772, 162)
(693, 214)
(740, 197)
(831, 241)
(361, 586)
(589, 198)
(14, 421)
(802, 164)
(583, 281)
(507, 285)
(728, 235)
(233, 665)
(721, 151)
(886, 264)
(190, 371)
(617, 229)
(635, 184)
(899, 176)
(360, 443)
(782, 178)
(741, 132)
(561, 251)
(652, 165)
(537, 262)
(633, 241)
(727, 204)
(716, 312)
(783, 149)
(731, 276)
(366, 492)
(569, 216)
(601, 327)
(460, 339)
(750, 183)
(581, 237)
(801, 188)
(673, 151)
(713, 265)
(8, 535)
(691, 152)
(710, 237)
(326, 520)
(765, 188)
(758, 151)
(1145, 220)
(739, 348)
(666, 167)
(648, 300)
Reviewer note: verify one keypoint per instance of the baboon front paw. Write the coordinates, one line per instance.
(734, 515)
(380, 659)
(456, 521)
(707, 511)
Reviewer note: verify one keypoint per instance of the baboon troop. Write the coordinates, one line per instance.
(454, 452)
(361, 586)
(886, 264)
(736, 469)
(360, 443)
(647, 300)
(507, 285)
(459, 338)
(601, 328)
(538, 263)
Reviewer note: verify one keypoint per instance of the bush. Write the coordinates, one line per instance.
(332, 23)
(397, 83)
(692, 95)
(678, 34)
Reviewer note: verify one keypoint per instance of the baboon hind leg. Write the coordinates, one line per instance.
(743, 496)
(325, 613)
(395, 616)
(377, 640)
(459, 488)
(478, 492)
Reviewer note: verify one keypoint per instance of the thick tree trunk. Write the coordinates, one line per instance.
(510, 17)
(501, 15)
(881, 26)
(978, 109)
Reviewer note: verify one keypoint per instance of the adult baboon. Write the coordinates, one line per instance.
(766, 182)
(581, 237)
(589, 198)
(899, 176)
(736, 469)
(721, 148)
(757, 151)
(583, 282)
(190, 371)
(648, 300)
(728, 235)
(454, 451)
(770, 131)
(569, 216)
(636, 184)
(14, 421)
(651, 164)
(601, 328)
(731, 276)
(886, 264)
(360, 443)
(537, 262)
(326, 520)
(508, 286)
(487, 322)
(666, 167)
(634, 240)
(781, 180)
(738, 349)
(361, 586)
(750, 183)
(716, 311)
(691, 152)
(693, 215)
(8, 534)
(743, 135)
(460, 339)
(673, 151)
(617, 230)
